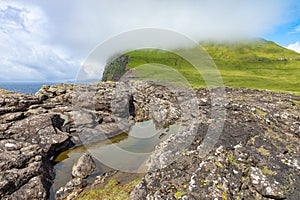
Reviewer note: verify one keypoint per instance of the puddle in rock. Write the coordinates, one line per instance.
(140, 140)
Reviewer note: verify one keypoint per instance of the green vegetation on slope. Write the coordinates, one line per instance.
(115, 68)
(255, 64)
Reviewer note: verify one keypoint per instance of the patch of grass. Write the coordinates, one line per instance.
(297, 103)
(112, 190)
(158, 72)
(255, 64)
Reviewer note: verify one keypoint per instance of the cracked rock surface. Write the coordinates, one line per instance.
(257, 155)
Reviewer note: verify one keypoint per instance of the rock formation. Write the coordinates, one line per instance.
(115, 68)
(257, 155)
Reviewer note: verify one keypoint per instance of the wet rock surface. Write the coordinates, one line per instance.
(255, 157)
(82, 168)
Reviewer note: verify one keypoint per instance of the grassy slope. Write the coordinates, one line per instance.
(249, 64)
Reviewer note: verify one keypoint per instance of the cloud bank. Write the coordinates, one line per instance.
(294, 47)
(24, 52)
(84, 25)
(47, 40)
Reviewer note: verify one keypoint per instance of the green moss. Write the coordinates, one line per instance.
(285, 188)
(179, 194)
(274, 135)
(297, 103)
(263, 151)
(260, 112)
(252, 140)
(267, 171)
(291, 180)
(112, 190)
(231, 159)
(290, 147)
(115, 69)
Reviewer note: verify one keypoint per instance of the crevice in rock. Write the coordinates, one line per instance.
(57, 122)
(131, 106)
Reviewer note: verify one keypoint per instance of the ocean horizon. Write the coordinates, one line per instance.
(31, 87)
(24, 87)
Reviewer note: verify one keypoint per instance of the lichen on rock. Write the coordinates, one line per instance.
(255, 157)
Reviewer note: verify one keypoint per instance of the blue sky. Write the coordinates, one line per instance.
(288, 31)
(49, 40)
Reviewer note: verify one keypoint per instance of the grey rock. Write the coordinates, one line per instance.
(265, 187)
(83, 167)
(34, 189)
(72, 189)
(298, 133)
(255, 157)
(260, 138)
(139, 192)
(9, 117)
(28, 140)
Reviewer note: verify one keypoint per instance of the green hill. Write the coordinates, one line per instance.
(260, 64)
(256, 64)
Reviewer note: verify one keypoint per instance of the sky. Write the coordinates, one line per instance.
(49, 40)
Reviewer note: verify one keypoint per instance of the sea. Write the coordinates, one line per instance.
(24, 87)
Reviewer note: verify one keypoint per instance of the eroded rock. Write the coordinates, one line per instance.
(84, 166)
(255, 157)
(72, 189)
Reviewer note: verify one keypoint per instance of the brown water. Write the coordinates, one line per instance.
(126, 152)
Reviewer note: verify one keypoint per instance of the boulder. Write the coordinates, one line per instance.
(84, 167)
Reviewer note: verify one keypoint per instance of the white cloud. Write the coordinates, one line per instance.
(48, 39)
(24, 53)
(297, 29)
(294, 47)
(85, 25)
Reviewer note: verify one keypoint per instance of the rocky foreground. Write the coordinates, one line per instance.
(257, 156)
